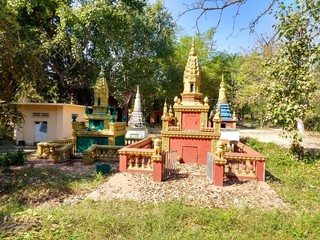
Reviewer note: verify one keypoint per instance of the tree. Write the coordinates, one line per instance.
(20, 66)
(20, 70)
(139, 52)
(54, 49)
(251, 84)
(290, 71)
(312, 119)
(74, 38)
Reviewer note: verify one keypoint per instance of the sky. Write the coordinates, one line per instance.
(230, 35)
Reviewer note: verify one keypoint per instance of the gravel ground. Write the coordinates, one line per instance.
(189, 186)
(192, 190)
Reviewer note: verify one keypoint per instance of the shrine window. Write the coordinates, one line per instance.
(40, 114)
(99, 101)
(192, 87)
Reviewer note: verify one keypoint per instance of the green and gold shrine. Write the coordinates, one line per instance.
(99, 126)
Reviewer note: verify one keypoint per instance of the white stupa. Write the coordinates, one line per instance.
(136, 120)
(137, 125)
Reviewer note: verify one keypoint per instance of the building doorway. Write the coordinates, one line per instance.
(190, 154)
(40, 131)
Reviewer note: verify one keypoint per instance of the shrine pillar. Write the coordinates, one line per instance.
(219, 164)
(156, 158)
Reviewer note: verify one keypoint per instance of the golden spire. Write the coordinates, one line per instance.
(191, 78)
(206, 101)
(101, 93)
(165, 109)
(234, 116)
(222, 92)
(170, 111)
(193, 51)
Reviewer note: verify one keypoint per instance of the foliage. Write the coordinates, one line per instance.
(290, 69)
(12, 159)
(66, 42)
(10, 117)
(250, 86)
(221, 63)
(312, 120)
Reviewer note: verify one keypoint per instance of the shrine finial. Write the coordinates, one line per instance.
(193, 51)
(222, 92)
(102, 74)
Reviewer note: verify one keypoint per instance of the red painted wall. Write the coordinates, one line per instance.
(190, 121)
(191, 150)
(227, 124)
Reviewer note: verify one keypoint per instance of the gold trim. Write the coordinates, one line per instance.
(202, 135)
(182, 108)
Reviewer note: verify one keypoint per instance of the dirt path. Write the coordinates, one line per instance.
(310, 140)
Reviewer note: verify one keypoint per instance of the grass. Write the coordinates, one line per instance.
(27, 187)
(296, 182)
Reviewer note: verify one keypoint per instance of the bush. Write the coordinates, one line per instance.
(12, 159)
(312, 123)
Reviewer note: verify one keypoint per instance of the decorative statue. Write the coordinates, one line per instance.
(220, 149)
(176, 100)
(157, 147)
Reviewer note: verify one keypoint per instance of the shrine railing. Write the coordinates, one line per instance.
(100, 153)
(137, 156)
(63, 153)
(129, 141)
(241, 162)
(48, 150)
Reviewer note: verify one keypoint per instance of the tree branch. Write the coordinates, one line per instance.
(220, 5)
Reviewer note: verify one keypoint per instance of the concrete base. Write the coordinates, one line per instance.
(137, 132)
(230, 134)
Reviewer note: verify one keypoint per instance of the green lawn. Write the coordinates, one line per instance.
(298, 184)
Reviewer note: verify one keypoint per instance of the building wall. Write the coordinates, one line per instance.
(57, 116)
(190, 121)
(67, 111)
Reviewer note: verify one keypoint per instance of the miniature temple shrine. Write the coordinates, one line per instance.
(186, 130)
(98, 127)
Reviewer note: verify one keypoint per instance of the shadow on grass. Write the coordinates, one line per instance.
(28, 186)
(311, 156)
(271, 178)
